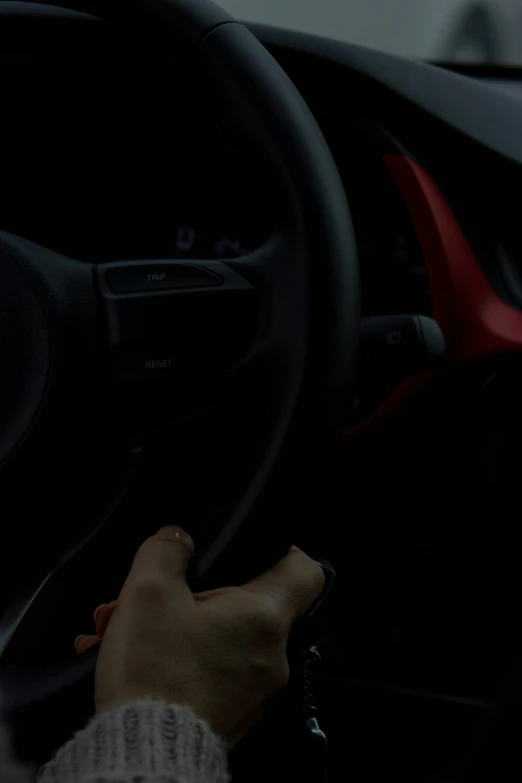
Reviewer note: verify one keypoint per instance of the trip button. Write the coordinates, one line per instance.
(138, 278)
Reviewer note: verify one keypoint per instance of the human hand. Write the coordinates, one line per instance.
(222, 653)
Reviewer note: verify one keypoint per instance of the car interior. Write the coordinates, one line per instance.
(211, 317)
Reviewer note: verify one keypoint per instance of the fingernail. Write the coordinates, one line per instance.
(98, 610)
(79, 638)
(173, 530)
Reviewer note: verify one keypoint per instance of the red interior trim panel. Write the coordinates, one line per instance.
(475, 320)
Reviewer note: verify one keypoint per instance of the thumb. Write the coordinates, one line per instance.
(166, 554)
(294, 583)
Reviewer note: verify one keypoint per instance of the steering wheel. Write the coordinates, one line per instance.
(124, 349)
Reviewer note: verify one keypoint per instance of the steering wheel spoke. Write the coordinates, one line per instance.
(174, 329)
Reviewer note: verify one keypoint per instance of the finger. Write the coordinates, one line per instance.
(84, 641)
(102, 617)
(167, 553)
(97, 611)
(296, 582)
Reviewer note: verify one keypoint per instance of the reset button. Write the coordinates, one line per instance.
(160, 364)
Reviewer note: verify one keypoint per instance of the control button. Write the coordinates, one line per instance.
(391, 335)
(140, 278)
(139, 366)
(166, 363)
(415, 341)
(158, 364)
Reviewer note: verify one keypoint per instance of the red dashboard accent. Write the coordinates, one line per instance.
(474, 319)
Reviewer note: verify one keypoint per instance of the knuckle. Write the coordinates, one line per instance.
(149, 588)
(268, 621)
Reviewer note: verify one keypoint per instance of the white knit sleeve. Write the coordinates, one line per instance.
(140, 742)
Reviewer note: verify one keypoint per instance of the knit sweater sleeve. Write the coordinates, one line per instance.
(140, 742)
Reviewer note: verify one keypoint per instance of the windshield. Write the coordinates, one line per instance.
(459, 31)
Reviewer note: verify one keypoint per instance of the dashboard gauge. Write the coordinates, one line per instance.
(208, 241)
(226, 247)
(185, 239)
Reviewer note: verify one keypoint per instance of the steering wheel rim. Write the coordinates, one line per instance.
(305, 278)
